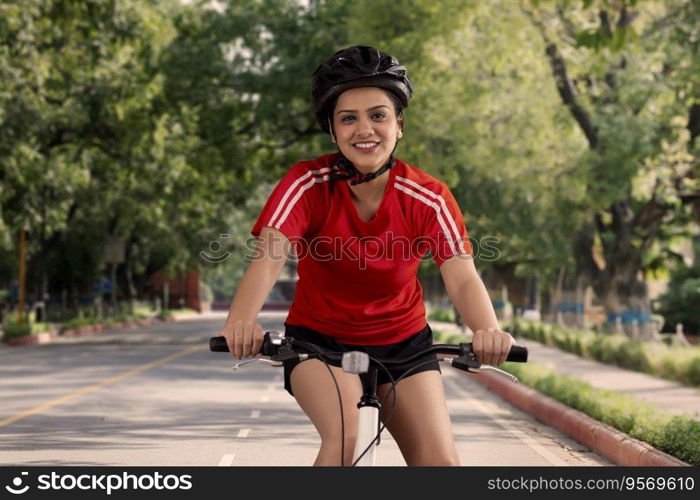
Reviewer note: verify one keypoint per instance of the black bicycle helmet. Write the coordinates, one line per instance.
(358, 66)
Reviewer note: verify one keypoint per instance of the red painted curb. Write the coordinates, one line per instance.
(607, 441)
(39, 338)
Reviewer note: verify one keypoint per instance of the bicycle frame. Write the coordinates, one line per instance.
(368, 425)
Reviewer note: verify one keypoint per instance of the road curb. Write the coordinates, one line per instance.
(39, 338)
(603, 439)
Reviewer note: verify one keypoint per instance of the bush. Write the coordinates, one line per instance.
(165, 313)
(142, 312)
(16, 330)
(636, 354)
(678, 363)
(80, 321)
(442, 314)
(692, 373)
(682, 300)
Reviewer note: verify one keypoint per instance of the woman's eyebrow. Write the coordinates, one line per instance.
(355, 111)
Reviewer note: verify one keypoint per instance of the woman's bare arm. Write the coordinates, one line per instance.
(469, 295)
(243, 334)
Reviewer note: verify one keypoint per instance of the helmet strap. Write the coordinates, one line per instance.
(346, 171)
(330, 128)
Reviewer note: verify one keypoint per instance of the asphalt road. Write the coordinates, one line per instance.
(156, 396)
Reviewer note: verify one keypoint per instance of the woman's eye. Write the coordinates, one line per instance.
(375, 116)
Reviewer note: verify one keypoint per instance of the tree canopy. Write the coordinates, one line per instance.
(566, 129)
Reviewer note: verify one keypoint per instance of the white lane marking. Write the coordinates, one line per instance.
(265, 399)
(243, 433)
(226, 460)
(255, 414)
(508, 426)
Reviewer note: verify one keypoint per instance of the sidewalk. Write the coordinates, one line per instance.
(605, 440)
(665, 394)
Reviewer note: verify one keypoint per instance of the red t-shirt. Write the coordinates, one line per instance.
(358, 280)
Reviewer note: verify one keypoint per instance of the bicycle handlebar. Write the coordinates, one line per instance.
(269, 348)
(286, 348)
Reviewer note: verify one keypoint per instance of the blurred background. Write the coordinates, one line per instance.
(140, 139)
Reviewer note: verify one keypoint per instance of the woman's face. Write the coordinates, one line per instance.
(366, 127)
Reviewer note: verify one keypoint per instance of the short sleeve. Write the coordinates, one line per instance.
(444, 229)
(289, 207)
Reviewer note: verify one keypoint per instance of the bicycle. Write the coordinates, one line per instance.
(277, 348)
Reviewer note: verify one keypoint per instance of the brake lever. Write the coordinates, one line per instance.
(259, 360)
(471, 365)
(510, 376)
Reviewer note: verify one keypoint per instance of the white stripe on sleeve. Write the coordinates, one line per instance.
(435, 206)
(306, 186)
(289, 192)
(443, 209)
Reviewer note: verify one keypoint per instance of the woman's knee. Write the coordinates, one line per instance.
(336, 440)
(332, 449)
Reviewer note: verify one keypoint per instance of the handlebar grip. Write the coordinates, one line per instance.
(518, 353)
(218, 344)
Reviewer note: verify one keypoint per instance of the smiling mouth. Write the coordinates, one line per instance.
(366, 146)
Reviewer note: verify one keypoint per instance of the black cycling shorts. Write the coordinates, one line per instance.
(403, 349)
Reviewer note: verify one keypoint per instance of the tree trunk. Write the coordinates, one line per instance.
(556, 293)
(130, 279)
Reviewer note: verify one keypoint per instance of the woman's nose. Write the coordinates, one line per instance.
(364, 128)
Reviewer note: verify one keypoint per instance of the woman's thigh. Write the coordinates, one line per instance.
(421, 422)
(317, 396)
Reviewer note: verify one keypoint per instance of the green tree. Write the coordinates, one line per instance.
(615, 70)
(79, 79)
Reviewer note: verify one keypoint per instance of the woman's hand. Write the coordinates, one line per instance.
(243, 338)
(491, 346)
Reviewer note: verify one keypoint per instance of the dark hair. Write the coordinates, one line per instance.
(398, 105)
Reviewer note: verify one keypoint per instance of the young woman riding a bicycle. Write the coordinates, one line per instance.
(360, 221)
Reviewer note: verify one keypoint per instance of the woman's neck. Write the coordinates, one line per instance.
(370, 191)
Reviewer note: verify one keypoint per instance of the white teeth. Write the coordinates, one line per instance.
(366, 144)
